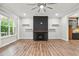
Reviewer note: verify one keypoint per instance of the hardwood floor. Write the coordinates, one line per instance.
(41, 48)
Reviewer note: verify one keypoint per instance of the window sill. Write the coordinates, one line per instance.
(8, 36)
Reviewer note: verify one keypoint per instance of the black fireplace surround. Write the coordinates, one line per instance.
(40, 25)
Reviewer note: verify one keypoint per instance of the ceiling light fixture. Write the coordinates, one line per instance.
(41, 6)
(56, 14)
(24, 14)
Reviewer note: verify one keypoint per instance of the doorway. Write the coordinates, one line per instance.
(73, 28)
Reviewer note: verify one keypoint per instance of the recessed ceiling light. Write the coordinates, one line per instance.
(56, 14)
(24, 14)
(41, 6)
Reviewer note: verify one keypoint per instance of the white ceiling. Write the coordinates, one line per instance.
(21, 8)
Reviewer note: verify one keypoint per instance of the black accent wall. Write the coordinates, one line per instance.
(40, 27)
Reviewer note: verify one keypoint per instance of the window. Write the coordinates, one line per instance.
(7, 26)
(12, 25)
(4, 26)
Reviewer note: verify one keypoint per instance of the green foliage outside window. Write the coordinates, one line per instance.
(11, 26)
(4, 26)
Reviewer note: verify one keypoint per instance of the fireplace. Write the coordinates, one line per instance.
(40, 28)
(43, 36)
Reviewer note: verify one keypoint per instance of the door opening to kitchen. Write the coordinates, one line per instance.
(73, 28)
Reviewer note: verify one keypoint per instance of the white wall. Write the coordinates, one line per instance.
(61, 31)
(7, 40)
(54, 34)
(64, 28)
(28, 34)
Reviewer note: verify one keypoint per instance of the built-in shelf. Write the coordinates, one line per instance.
(28, 29)
(53, 30)
(26, 25)
(55, 25)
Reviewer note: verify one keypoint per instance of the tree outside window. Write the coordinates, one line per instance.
(4, 26)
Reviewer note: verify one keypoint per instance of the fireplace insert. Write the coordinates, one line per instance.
(40, 36)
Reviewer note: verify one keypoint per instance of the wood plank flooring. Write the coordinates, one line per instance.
(41, 48)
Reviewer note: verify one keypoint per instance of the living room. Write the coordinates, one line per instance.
(39, 29)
